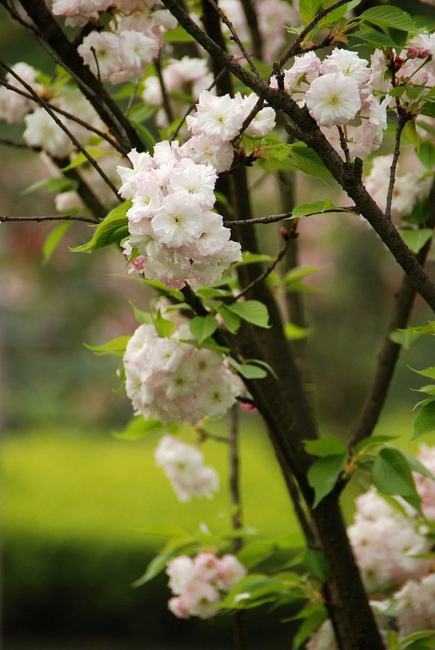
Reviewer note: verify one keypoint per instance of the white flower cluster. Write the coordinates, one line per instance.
(200, 583)
(385, 544)
(187, 73)
(272, 16)
(174, 231)
(414, 605)
(336, 91)
(130, 42)
(184, 466)
(172, 381)
(412, 182)
(14, 107)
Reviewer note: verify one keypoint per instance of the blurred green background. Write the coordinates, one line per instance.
(81, 510)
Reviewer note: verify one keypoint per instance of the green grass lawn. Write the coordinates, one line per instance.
(84, 512)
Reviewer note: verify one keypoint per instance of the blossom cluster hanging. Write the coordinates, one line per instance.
(170, 380)
(184, 466)
(199, 583)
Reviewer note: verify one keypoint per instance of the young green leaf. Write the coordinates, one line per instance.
(138, 428)
(326, 446)
(165, 328)
(54, 238)
(159, 562)
(323, 475)
(295, 333)
(111, 230)
(248, 370)
(389, 16)
(416, 239)
(231, 321)
(202, 327)
(115, 347)
(425, 420)
(392, 475)
(314, 207)
(252, 311)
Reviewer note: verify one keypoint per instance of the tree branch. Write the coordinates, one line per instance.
(52, 217)
(251, 19)
(401, 121)
(66, 54)
(274, 218)
(165, 97)
(64, 128)
(295, 48)
(68, 115)
(267, 271)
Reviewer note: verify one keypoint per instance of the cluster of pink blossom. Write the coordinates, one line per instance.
(337, 91)
(184, 466)
(187, 73)
(170, 380)
(130, 42)
(200, 583)
(412, 183)
(272, 16)
(386, 543)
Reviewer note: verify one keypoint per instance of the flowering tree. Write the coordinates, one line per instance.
(205, 91)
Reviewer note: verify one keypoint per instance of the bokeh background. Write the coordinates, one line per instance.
(82, 511)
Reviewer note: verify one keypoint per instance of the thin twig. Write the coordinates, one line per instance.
(267, 271)
(274, 218)
(343, 143)
(19, 145)
(163, 90)
(401, 121)
(254, 30)
(234, 35)
(64, 128)
(295, 48)
(70, 116)
(208, 435)
(51, 217)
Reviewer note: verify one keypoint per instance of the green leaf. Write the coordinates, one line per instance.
(111, 230)
(378, 39)
(114, 346)
(178, 35)
(308, 9)
(80, 159)
(326, 446)
(407, 336)
(160, 561)
(389, 16)
(416, 239)
(252, 311)
(305, 209)
(392, 475)
(248, 370)
(256, 552)
(54, 238)
(164, 327)
(416, 466)
(373, 441)
(253, 258)
(426, 153)
(425, 420)
(294, 332)
(337, 14)
(138, 428)
(428, 108)
(231, 321)
(54, 185)
(140, 315)
(252, 591)
(160, 286)
(313, 616)
(323, 475)
(426, 372)
(145, 134)
(316, 564)
(202, 327)
(307, 161)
